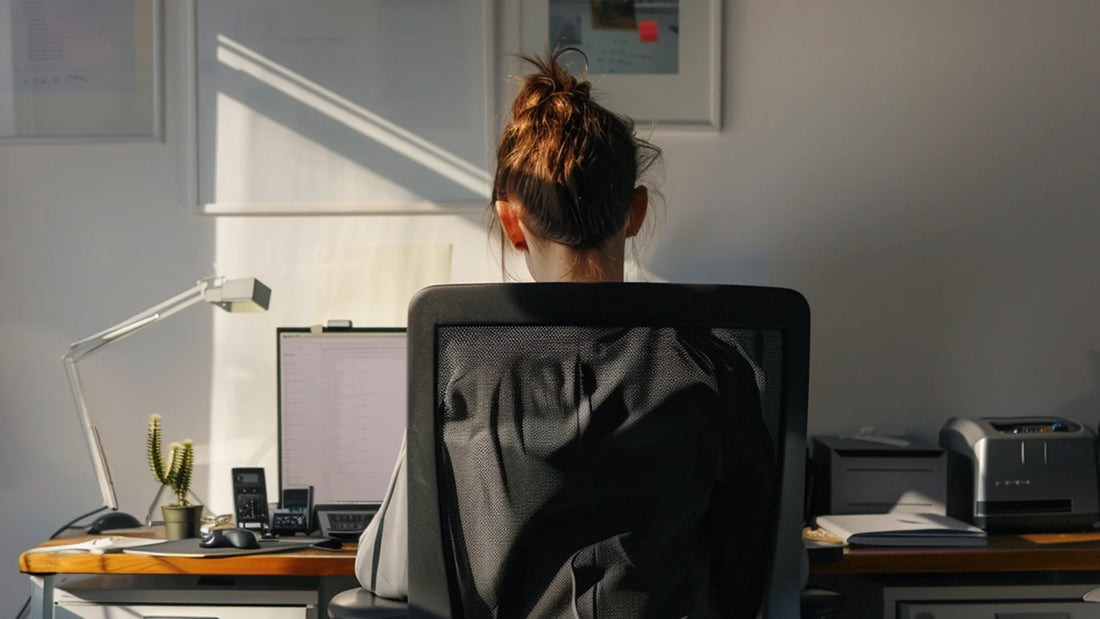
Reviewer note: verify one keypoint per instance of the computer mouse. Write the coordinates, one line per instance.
(328, 543)
(229, 538)
(113, 520)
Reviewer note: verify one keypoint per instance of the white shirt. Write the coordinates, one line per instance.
(382, 561)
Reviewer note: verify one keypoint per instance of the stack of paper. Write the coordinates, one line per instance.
(902, 529)
(100, 545)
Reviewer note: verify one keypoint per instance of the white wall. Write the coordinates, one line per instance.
(927, 174)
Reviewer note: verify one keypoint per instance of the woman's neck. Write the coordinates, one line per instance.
(554, 262)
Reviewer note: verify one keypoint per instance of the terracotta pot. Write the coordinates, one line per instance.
(181, 522)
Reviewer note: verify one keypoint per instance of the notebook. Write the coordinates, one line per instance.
(902, 529)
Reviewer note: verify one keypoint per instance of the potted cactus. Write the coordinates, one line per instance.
(181, 519)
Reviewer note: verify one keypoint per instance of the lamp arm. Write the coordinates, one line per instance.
(91, 436)
(82, 348)
(85, 347)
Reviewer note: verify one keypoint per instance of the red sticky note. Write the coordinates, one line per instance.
(647, 30)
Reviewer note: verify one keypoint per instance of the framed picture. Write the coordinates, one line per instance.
(77, 71)
(336, 107)
(655, 61)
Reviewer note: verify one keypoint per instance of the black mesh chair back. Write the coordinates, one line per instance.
(597, 450)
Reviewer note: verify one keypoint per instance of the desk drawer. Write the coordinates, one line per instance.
(153, 611)
(999, 610)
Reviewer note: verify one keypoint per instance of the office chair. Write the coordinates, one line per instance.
(519, 509)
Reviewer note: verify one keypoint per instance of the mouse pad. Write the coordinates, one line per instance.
(190, 548)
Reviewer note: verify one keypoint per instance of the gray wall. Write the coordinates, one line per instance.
(926, 173)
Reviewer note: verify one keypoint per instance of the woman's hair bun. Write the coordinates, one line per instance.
(552, 88)
(567, 161)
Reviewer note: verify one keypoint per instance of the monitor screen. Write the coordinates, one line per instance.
(341, 406)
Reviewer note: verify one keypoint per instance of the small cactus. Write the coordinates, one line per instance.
(176, 473)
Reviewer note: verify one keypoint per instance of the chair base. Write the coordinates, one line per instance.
(359, 603)
(820, 603)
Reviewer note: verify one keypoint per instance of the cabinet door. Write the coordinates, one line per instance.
(153, 611)
(999, 610)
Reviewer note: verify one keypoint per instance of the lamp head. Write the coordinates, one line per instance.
(238, 295)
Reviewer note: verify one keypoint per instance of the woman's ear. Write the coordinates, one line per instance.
(639, 205)
(509, 220)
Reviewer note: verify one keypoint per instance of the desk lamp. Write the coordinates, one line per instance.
(233, 295)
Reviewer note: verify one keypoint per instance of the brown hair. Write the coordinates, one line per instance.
(570, 164)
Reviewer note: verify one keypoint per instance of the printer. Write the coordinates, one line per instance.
(1018, 474)
(869, 474)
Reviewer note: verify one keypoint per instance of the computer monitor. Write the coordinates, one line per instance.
(341, 408)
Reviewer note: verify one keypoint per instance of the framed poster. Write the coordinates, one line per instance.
(657, 61)
(335, 107)
(80, 70)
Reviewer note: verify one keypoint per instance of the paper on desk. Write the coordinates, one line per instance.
(100, 545)
(902, 529)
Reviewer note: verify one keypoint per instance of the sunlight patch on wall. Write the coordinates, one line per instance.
(253, 167)
(385, 276)
(365, 269)
(355, 117)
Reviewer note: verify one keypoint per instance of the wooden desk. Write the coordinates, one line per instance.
(322, 572)
(1004, 553)
(1047, 572)
(1056, 568)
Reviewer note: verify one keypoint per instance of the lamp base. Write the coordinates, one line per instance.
(114, 520)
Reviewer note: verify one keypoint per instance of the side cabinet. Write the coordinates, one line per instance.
(169, 611)
(990, 602)
(186, 597)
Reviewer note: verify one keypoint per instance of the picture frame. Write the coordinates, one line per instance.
(648, 98)
(324, 107)
(68, 78)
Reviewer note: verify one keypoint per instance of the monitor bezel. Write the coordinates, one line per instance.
(315, 330)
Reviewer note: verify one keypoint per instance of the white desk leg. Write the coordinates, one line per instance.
(42, 597)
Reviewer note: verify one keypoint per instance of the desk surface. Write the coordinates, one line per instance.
(1004, 553)
(308, 562)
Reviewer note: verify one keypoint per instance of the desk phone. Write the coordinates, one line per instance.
(293, 514)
